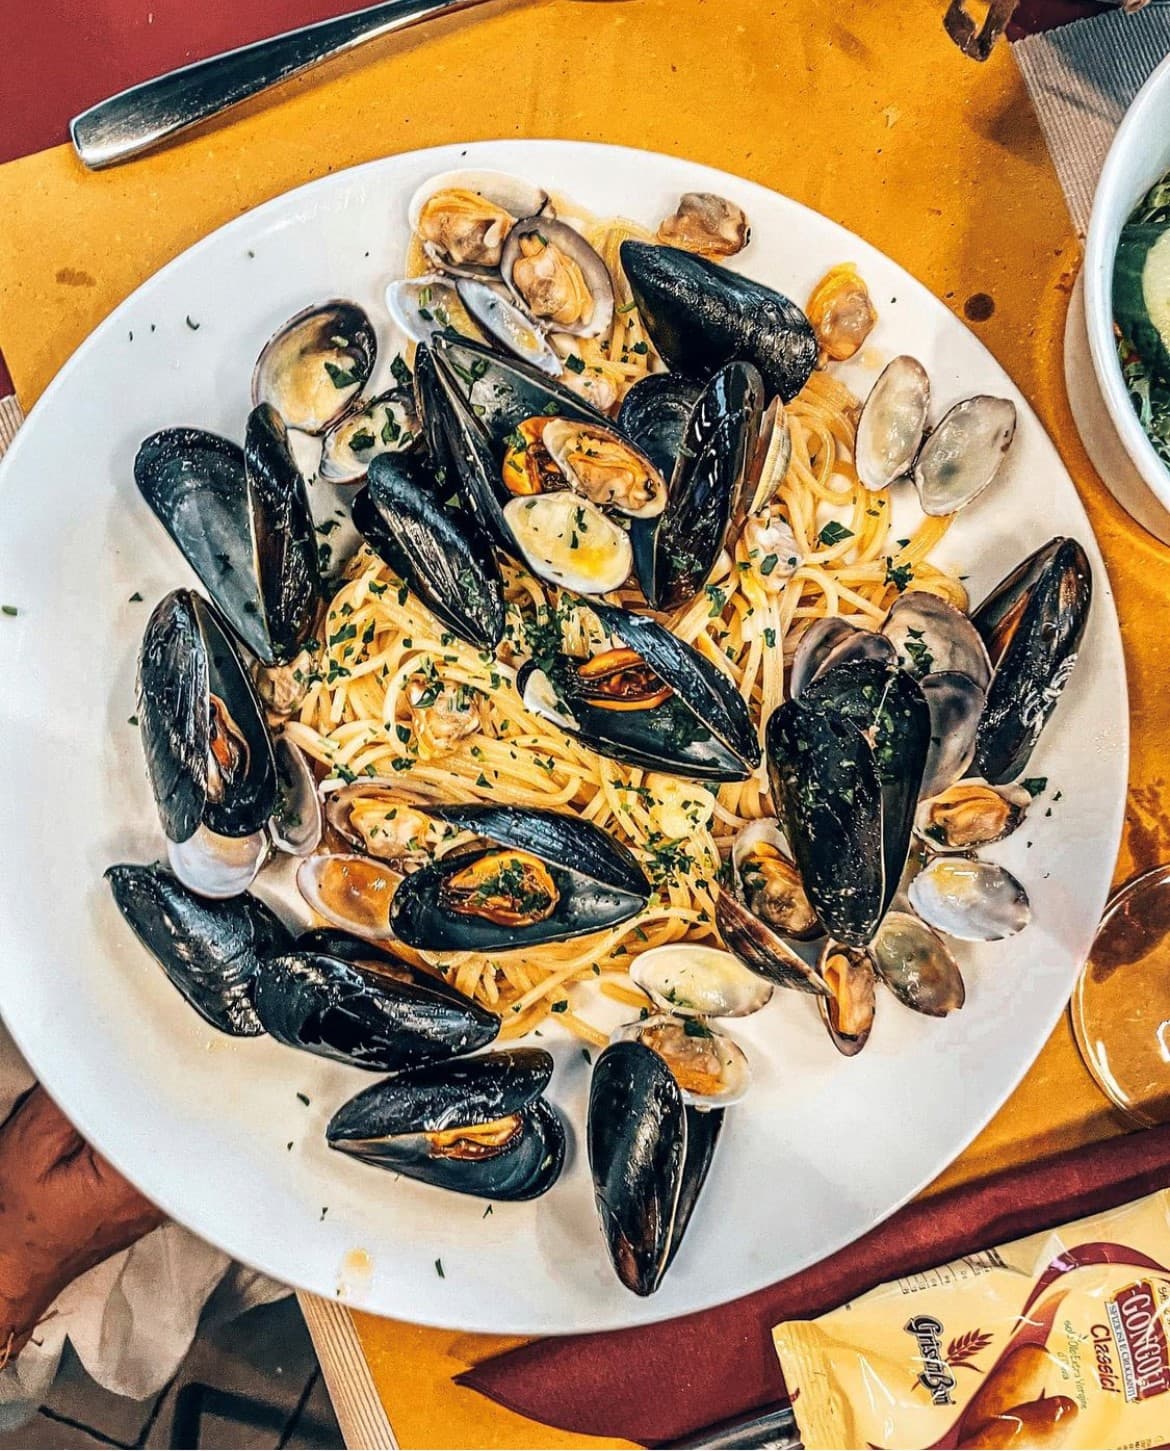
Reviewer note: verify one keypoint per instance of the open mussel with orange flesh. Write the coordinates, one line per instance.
(439, 552)
(1032, 624)
(555, 483)
(651, 701)
(352, 1009)
(210, 950)
(242, 520)
(208, 751)
(702, 316)
(312, 371)
(846, 763)
(534, 876)
(649, 1155)
(476, 1126)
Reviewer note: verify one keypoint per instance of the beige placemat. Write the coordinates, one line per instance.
(1081, 79)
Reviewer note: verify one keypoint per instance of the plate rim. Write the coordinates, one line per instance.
(647, 1311)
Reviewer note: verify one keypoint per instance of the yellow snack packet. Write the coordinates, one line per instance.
(1057, 1340)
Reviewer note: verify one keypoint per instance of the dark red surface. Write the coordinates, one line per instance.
(61, 56)
(662, 1383)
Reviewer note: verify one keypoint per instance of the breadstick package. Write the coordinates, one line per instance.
(1058, 1340)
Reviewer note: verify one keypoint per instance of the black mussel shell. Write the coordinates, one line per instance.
(502, 391)
(386, 1125)
(701, 316)
(1032, 624)
(186, 658)
(654, 415)
(211, 951)
(637, 1136)
(721, 434)
(241, 518)
(339, 1009)
(703, 1129)
(826, 785)
(377, 957)
(443, 556)
(287, 566)
(598, 884)
(889, 708)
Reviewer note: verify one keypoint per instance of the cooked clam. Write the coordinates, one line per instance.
(295, 824)
(917, 966)
(848, 1010)
(973, 900)
(463, 218)
(707, 224)
(932, 636)
(352, 892)
(476, 1126)
(211, 951)
(386, 424)
(560, 280)
(710, 1068)
(963, 453)
(570, 542)
(769, 884)
(691, 980)
(841, 312)
(380, 818)
(892, 423)
(501, 317)
(970, 814)
(313, 368)
(605, 468)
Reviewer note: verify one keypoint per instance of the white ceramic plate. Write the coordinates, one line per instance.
(212, 1128)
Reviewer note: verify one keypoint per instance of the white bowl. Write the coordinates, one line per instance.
(1139, 156)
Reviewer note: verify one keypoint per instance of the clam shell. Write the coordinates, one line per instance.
(511, 324)
(694, 981)
(963, 453)
(571, 244)
(892, 423)
(386, 424)
(1015, 798)
(295, 823)
(351, 892)
(972, 900)
(734, 1070)
(568, 541)
(313, 367)
(932, 636)
(917, 966)
(512, 194)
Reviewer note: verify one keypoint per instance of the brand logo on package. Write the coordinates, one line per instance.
(935, 1376)
(1136, 1321)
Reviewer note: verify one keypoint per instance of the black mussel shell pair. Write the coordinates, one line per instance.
(1032, 624)
(557, 877)
(845, 762)
(327, 992)
(658, 703)
(208, 751)
(649, 1154)
(242, 520)
(476, 1126)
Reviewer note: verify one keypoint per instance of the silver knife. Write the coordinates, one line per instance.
(142, 117)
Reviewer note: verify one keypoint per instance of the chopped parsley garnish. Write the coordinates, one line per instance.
(640, 349)
(194, 326)
(899, 575)
(834, 532)
(769, 563)
(769, 637)
(1034, 785)
(304, 1098)
(574, 363)
(919, 653)
(340, 378)
(439, 1269)
(391, 430)
(135, 598)
(560, 1006)
(718, 599)
(10, 610)
(696, 1028)
(362, 441)
(402, 374)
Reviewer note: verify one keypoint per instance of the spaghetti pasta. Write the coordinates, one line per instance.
(395, 696)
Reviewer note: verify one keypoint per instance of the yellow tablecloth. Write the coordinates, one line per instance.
(865, 112)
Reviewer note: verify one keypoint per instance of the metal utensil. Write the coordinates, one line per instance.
(146, 115)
